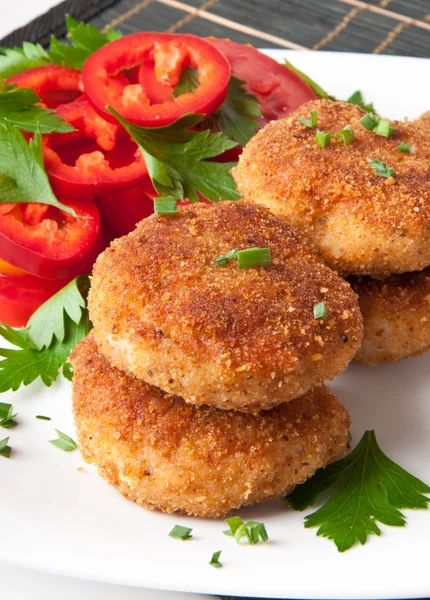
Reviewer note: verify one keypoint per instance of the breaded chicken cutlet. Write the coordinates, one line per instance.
(236, 339)
(396, 315)
(163, 453)
(361, 222)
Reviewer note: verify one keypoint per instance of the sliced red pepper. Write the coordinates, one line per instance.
(167, 55)
(53, 84)
(279, 91)
(93, 159)
(48, 243)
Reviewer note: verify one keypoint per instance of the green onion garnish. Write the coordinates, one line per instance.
(384, 128)
(43, 418)
(165, 206)
(404, 148)
(5, 450)
(6, 416)
(369, 121)
(312, 122)
(64, 442)
(357, 98)
(224, 260)
(323, 139)
(346, 134)
(253, 531)
(253, 257)
(320, 311)
(214, 562)
(181, 533)
(381, 169)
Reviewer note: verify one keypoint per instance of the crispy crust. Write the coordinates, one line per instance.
(361, 223)
(163, 453)
(245, 339)
(396, 313)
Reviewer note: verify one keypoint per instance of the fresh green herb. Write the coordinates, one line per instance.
(369, 121)
(317, 89)
(43, 418)
(371, 488)
(181, 533)
(346, 134)
(19, 108)
(384, 128)
(214, 562)
(381, 169)
(404, 148)
(323, 139)
(188, 82)
(22, 177)
(237, 117)
(224, 260)
(253, 531)
(176, 159)
(320, 311)
(7, 418)
(64, 442)
(15, 60)
(5, 450)
(253, 257)
(357, 98)
(85, 39)
(312, 122)
(165, 206)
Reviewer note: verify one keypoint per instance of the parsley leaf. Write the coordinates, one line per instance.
(19, 107)
(15, 60)
(188, 82)
(317, 89)
(176, 159)
(371, 488)
(22, 176)
(237, 117)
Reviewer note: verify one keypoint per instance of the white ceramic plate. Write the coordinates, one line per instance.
(59, 519)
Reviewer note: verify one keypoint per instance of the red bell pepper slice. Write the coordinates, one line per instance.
(95, 158)
(166, 55)
(47, 242)
(53, 84)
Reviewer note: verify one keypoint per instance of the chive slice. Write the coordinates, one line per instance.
(5, 450)
(312, 122)
(43, 418)
(346, 134)
(369, 121)
(323, 139)
(357, 98)
(320, 311)
(253, 531)
(381, 169)
(253, 257)
(224, 260)
(165, 206)
(181, 533)
(384, 128)
(214, 562)
(64, 442)
(6, 416)
(234, 523)
(404, 148)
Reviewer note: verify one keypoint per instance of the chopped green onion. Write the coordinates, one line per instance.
(369, 121)
(165, 206)
(214, 562)
(253, 531)
(43, 418)
(320, 311)
(346, 134)
(312, 122)
(6, 416)
(384, 128)
(357, 98)
(323, 139)
(5, 450)
(381, 169)
(404, 148)
(253, 257)
(181, 533)
(64, 442)
(234, 523)
(224, 260)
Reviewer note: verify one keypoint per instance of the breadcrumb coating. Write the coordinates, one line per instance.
(396, 314)
(244, 339)
(166, 454)
(361, 223)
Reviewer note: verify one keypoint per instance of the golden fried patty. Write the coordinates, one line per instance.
(244, 339)
(361, 222)
(163, 453)
(396, 314)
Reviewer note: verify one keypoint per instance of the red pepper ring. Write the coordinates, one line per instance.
(169, 54)
(53, 84)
